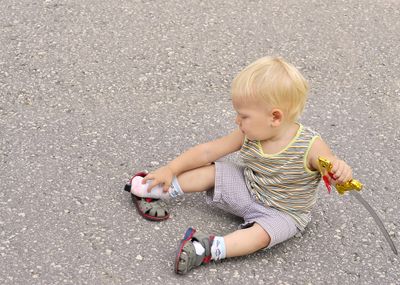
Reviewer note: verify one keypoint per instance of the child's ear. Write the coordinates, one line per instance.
(277, 117)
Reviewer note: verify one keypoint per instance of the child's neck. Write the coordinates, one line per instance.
(280, 140)
(286, 131)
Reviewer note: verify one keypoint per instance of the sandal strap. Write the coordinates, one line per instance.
(207, 257)
(206, 241)
(155, 208)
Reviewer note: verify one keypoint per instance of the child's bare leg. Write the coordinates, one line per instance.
(197, 180)
(246, 241)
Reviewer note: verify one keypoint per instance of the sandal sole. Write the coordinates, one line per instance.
(186, 237)
(136, 200)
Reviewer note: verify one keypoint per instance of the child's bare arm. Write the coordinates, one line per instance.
(341, 170)
(195, 157)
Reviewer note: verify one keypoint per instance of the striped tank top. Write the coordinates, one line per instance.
(283, 180)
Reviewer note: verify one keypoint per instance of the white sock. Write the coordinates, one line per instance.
(218, 250)
(140, 190)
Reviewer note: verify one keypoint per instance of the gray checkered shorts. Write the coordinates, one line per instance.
(230, 194)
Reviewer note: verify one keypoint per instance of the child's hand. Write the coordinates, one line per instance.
(162, 176)
(341, 171)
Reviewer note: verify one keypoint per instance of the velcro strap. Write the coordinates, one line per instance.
(207, 259)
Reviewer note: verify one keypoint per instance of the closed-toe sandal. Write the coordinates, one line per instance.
(186, 257)
(149, 208)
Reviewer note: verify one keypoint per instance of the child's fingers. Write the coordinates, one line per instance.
(166, 187)
(167, 184)
(147, 177)
(150, 177)
(332, 181)
(153, 183)
(343, 174)
(338, 169)
(347, 175)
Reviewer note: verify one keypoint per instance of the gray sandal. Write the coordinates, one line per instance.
(186, 257)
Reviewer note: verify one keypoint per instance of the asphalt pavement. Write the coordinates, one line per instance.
(92, 91)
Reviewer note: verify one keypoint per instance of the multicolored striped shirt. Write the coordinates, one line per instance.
(283, 180)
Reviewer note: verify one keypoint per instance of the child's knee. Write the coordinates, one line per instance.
(262, 236)
(208, 174)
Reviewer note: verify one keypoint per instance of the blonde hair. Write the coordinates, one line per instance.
(274, 81)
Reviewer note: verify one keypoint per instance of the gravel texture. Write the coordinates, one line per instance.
(91, 91)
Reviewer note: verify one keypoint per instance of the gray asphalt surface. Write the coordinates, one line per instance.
(92, 91)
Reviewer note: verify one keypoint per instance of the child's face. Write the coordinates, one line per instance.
(254, 119)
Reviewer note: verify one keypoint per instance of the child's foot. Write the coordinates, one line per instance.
(139, 189)
(194, 249)
(148, 208)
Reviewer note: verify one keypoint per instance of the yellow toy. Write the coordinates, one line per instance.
(353, 187)
(325, 169)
